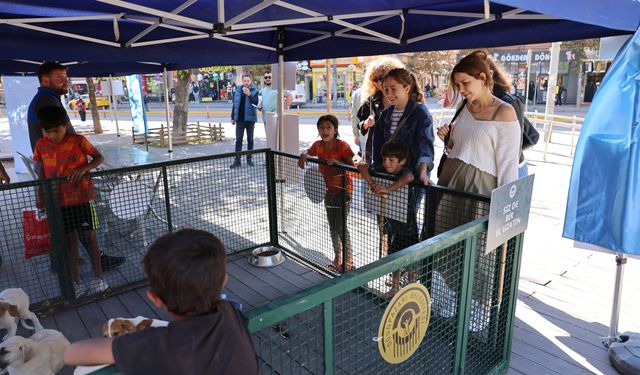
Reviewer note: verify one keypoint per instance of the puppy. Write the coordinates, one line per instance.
(41, 354)
(120, 326)
(14, 305)
(117, 327)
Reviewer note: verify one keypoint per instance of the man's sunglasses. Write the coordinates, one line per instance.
(267, 77)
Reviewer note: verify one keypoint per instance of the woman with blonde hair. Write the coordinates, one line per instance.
(373, 101)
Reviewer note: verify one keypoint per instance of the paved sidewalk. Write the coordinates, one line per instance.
(565, 294)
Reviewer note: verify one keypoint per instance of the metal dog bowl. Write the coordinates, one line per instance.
(266, 256)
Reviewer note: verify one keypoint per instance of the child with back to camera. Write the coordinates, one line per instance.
(400, 235)
(187, 271)
(333, 150)
(64, 154)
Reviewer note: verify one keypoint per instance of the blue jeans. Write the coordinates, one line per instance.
(240, 127)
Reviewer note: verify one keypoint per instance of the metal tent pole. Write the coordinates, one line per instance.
(621, 260)
(114, 105)
(166, 108)
(280, 100)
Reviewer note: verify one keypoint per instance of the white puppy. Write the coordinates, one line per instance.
(14, 305)
(41, 354)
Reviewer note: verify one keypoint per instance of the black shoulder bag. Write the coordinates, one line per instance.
(446, 140)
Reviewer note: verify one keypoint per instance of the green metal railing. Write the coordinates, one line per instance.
(331, 327)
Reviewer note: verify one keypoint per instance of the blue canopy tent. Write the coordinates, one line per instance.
(118, 37)
(187, 33)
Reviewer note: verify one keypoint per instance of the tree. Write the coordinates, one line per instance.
(582, 49)
(93, 104)
(433, 63)
(181, 108)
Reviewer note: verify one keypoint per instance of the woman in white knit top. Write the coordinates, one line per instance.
(484, 145)
(484, 150)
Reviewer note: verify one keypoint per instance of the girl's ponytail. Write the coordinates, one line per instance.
(416, 91)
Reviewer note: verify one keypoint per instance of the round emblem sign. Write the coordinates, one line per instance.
(404, 323)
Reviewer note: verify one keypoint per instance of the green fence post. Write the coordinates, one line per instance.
(343, 204)
(167, 202)
(513, 296)
(462, 331)
(328, 337)
(272, 198)
(58, 239)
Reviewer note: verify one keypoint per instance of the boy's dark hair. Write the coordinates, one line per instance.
(333, 120)
(397, 149)
(52, 117)
(48, 67)
(186, 270)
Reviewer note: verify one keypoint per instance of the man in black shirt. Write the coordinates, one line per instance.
(54, 83)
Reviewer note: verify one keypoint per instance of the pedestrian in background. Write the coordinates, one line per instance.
(82, 109)
(244, 115)
(269, 98)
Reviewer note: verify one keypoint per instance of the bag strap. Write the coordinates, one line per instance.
(495, 114)
(403, 121)
(455, 116)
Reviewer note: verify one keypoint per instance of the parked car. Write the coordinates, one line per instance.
(101, 102)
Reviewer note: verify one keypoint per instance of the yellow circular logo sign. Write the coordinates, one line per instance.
(404, 323)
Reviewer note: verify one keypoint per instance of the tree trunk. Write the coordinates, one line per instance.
(181, 108)
(93, 104)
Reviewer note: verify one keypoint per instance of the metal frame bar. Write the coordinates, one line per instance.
(159, 13)
(157, 23)
(249, 12)
(66, 34)
(463, 26)
(340, 33)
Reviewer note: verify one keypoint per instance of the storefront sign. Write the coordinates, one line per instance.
(509, 211)
(536, 56)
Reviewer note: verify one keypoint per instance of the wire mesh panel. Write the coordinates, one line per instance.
(292, 346)
(358, 315)
(131, 213)
(490, 304)
(230, 203)
(24, 232)
(352, 226)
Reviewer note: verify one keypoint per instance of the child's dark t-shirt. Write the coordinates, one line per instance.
(217, 343)
(403, 234)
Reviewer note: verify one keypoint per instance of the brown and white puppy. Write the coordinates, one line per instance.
(14, 305)
(41, 354)
(120, 326)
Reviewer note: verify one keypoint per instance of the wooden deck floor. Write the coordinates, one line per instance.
(251, 285)
(558, 330)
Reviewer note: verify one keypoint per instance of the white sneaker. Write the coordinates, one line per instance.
(479, 319)
(98, 286)
(79, 289)
(444, 300)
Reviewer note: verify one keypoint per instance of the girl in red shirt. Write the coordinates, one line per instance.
(333, 150)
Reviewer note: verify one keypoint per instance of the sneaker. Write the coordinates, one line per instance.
(98, 286)
(250, 163)
(235, 164)
(79, 289)
(109, 262)
(444, 299)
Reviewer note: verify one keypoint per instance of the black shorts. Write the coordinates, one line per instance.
(79, 217)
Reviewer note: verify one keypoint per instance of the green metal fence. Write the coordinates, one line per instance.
(133, 206)
(333, 326)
